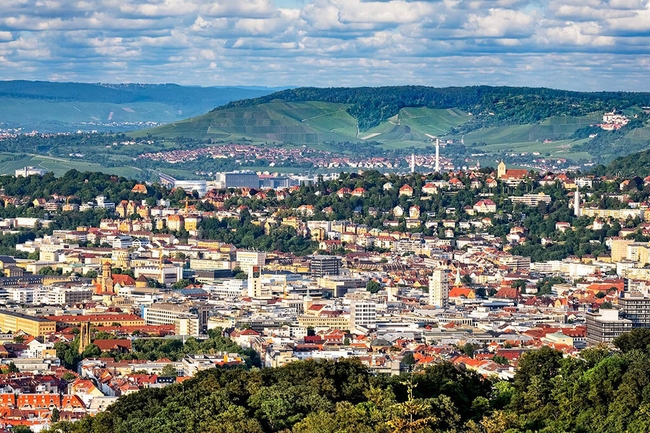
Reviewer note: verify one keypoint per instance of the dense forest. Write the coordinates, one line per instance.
(600, 391)
(490, 106)
(637, 164)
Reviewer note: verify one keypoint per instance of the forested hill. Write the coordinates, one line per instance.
(489, 105)
(636, 164)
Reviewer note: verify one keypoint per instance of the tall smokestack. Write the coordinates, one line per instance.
(413, 163)
(437, 155)
(576, 202)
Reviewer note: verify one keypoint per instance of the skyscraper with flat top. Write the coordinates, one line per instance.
(439, 289)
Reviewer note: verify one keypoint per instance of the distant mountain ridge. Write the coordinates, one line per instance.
(63, 107)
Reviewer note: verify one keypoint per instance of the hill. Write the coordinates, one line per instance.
(636, 164)
(68, 107)
(541, 129)
(499, 120)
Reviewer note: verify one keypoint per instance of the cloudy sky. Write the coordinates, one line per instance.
(571, 44)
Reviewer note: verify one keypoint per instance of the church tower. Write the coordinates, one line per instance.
(105, 281)
(501, 170)
(84, 336)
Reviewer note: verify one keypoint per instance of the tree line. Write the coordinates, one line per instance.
(599, 391)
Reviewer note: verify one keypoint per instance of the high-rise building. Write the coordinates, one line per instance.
(605, 325)
(187, 319)
(363, 313)
(322, 265)
(439, 289)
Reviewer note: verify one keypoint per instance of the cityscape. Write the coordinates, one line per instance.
(402, 285)
(325, 216)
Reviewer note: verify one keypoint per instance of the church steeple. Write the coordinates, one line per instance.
(501, 170)
(105, 280)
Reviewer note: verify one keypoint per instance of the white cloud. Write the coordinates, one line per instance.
(501, 23)
(328, 42)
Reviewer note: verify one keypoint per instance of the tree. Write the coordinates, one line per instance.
(412, 416)
(373, 286)
(68, 376)
(169, 371)
(636, 339)
(533, 380)
(181, 284)
(468, 349)
(409, 359)
(56, 415)
(12, 368)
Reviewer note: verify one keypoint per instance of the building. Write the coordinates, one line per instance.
(512, 177)
(439, 289)
(238, 180)
(605, 325)
(322, 265)
(337, 286)
(68, 295)
(363, 313)
(165, 274)
(531, 199)
(635, 307)
(331, 320)
(187, 319)
(619, 214)
(100, 319)
(29, 171)
(35, 326)
(274, 182)
(250, 259)
(200, 186)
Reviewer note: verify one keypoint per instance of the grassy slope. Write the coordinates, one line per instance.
(313, 123)
(59, 165)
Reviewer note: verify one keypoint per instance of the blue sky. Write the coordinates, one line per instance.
(571, 44)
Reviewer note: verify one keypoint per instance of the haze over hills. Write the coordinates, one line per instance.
(68, 107)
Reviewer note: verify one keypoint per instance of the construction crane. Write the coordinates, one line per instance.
(187, 201)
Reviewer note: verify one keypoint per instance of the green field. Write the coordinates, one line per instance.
(8, 165)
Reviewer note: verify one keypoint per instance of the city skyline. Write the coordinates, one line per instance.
(330, 42)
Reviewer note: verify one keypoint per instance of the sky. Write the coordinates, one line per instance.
(569, 44)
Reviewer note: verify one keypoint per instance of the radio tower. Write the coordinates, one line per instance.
(437, 155)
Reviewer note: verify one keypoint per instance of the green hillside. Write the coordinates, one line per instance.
(313, 122)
